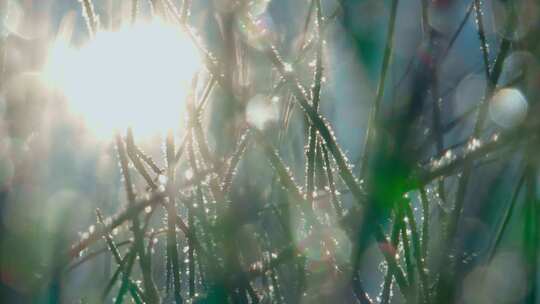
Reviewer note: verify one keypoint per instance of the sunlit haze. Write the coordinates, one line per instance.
(137, 76)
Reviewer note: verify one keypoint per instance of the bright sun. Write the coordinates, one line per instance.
(138, 76)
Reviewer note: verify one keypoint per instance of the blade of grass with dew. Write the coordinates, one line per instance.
(132, 153)
(126, 273)
(530, 232)
(445, 289)
(198, 135)
(515, 136)
(234, 160)
(191, 260)
(125, 215)
(286, 179)
(388, 278)
(134, 10)
(506, 218)
(374, 113)
(89, 14)
(425, 223)
(147, 159)
(116, 254)
(417, 251)
(150, 291)
(172, 244)
(331, 184)
(315, 96)
(409, 265)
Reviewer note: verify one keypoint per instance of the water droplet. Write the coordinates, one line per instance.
(260, 112)
(189, 174)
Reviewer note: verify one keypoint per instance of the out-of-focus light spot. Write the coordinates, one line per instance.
(470, 91)
(443, 17)
(188, 174)
(260, 112)
(138, 76)
(7, 171)
(502, 281)
(518, 66)
(10, 18)
(257, 7)
(527, 12)
(508, 107)
(25, 96)
(226, 6)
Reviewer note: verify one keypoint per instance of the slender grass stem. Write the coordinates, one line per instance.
(530, 233)
(234, 160)
(506, 218)
(417, 252)
(133, 155)
(445, 290)
(389, 276)
(134, 10)
(502, 140)
(425, 223)
(125, 284)
(151, 293)
(92, 21)
(331, 184)
(172, 245)
(315, 98)
(373, 116)
(409, 264)
(116, 254)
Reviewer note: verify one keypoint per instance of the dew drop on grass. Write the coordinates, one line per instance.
(261, 112)
(148, 209)
(473, 144)
(162, 179)
(287, 67)
(188, 174)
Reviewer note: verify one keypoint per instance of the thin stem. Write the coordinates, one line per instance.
(134, 10)
(133, 155)
(331, 183)
(233, 163)
(172, 246)
(389, 276)
(530, 233)
(409, 267)
(506, 218)
(380, 88)
(116, 254)
(417, 252)
(425, 223)
(315, 95)
(150, 289)
(90, 16)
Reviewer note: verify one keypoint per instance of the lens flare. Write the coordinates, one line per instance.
(138, 76)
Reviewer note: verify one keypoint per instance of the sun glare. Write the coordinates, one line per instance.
(137, 76)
